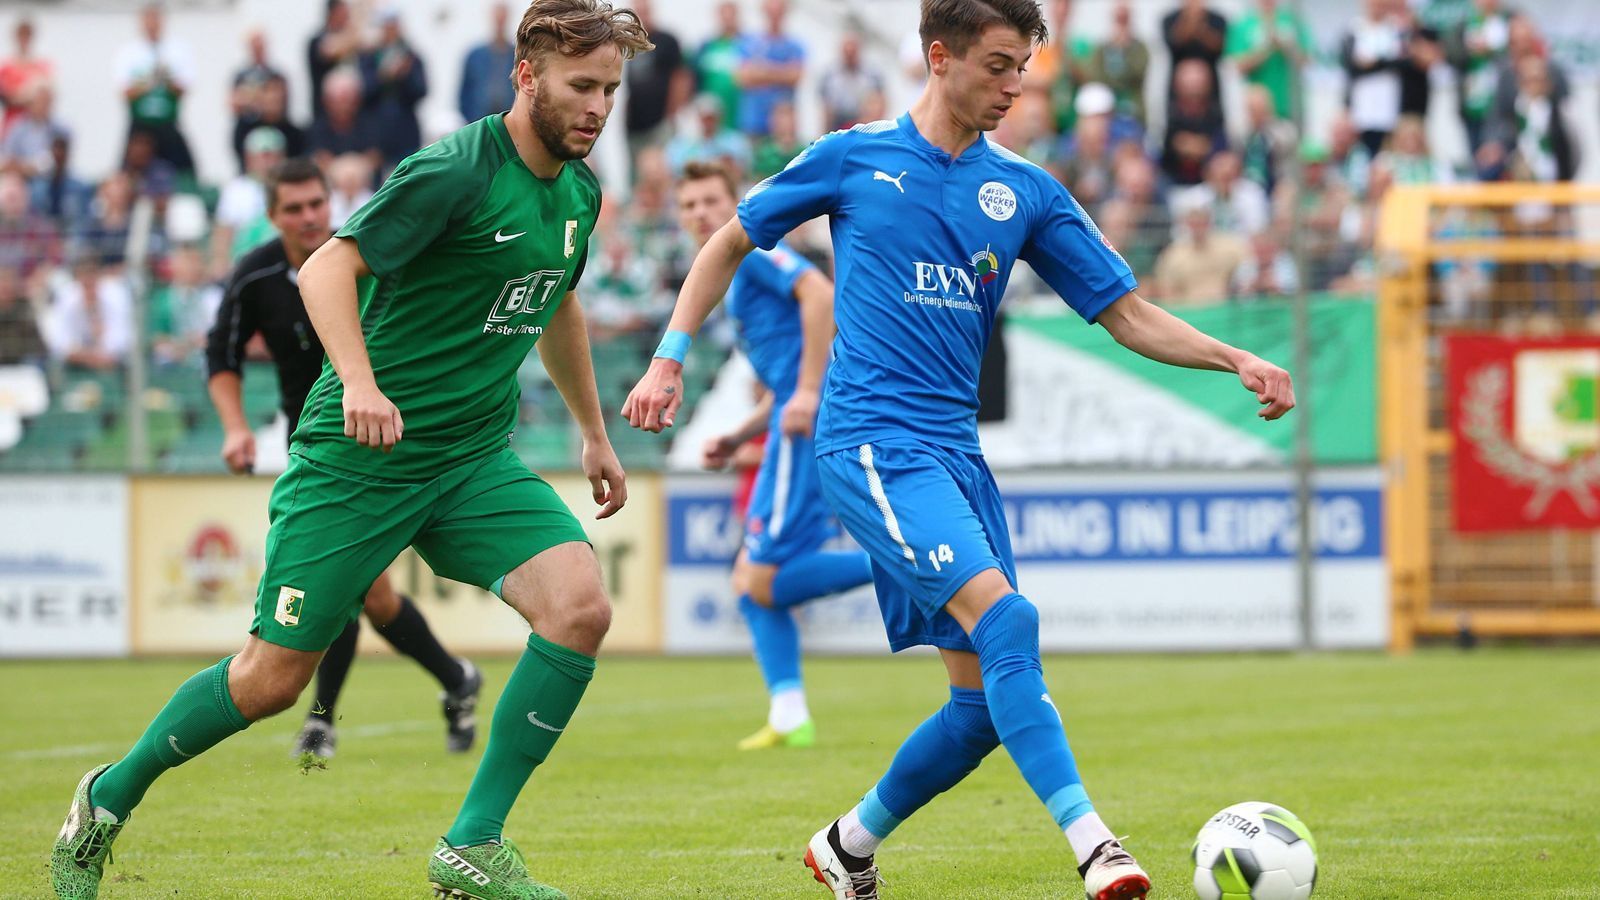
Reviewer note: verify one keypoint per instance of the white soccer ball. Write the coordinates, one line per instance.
(1254, 851)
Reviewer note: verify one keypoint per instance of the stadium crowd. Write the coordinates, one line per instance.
(1201, 205)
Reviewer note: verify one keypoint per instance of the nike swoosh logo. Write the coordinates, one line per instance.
(173, 740)
(534, 718)
(502, 238)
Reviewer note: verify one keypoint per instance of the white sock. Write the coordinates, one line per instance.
(854, 838)
(101, 814)
(1085, 833)
(788, 710)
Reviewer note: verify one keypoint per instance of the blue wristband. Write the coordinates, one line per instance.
(674, 346)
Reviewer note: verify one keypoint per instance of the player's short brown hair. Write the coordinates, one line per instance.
(959, 23)
(700, 170)
(578, 28)
(296, 170)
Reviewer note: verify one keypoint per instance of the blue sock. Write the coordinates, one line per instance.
(942, 751)
(813, 575)
(1007, 639)
(777, 643)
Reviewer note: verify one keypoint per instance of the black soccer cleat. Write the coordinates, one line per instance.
(460, 710)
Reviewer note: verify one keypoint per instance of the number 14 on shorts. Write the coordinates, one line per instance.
(941, 555)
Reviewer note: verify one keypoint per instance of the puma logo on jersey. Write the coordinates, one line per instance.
(501, 238)
(894, 180)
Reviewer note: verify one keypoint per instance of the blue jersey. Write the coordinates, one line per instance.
(762, 303)
(924, 245)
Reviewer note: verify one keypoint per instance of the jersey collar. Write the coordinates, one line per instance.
(908, 129)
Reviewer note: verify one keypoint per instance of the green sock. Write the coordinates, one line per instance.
(533, 710)
(198, 717)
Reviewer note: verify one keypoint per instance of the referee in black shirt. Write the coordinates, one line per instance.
(263, 297)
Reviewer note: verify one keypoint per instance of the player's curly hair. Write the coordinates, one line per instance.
(959, 23)
(578, 28)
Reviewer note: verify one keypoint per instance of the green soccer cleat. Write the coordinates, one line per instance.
(484, 872)
(767, 737)
(83, 847)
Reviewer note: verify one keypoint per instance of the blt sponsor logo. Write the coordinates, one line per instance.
(520, 297)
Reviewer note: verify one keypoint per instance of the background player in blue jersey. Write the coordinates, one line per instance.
(783, 308)
(928, 218)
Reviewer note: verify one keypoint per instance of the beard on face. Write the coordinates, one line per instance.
(550, 130)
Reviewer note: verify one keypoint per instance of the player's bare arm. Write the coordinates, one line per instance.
(654, 401)
(564, 349)
(815, 294)
(328, 285)
(1151, 331)
(718, 451)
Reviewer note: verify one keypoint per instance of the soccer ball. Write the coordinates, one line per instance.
(1254, 851)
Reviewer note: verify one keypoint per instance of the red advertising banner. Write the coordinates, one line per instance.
(1527, 436)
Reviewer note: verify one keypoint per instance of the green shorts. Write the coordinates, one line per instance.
(334, 532)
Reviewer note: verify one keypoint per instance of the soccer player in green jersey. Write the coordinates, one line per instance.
(427, 302)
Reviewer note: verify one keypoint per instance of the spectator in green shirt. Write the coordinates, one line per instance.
(1120, 64)
(716, 64)
(1269, 44)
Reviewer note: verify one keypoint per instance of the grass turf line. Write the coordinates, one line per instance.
(1441, 774)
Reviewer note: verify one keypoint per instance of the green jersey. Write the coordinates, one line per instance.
(471, 255)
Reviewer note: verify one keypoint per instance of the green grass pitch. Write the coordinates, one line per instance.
(1439, 775)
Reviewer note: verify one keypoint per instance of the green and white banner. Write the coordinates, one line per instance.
(1077, 398)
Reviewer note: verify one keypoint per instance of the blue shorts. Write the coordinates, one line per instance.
(930, 519)
(787, 515)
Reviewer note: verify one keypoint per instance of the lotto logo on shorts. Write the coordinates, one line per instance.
(290, 602)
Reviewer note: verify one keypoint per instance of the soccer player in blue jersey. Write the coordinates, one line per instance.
(783, 308)
(928, 218)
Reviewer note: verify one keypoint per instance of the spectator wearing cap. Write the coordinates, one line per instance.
(20, 72)
(396, 81)
(336, 45)
(343, 127)
(241, 221)
(25, 148)
(486, 86)
(90, 321)
(1197, 267)
(1192, 31)
(658, 82)
(1120, 63)
(846, 87)
(28, 241)
(1084, 161)
(1194, 125)
(770, 66)
(1323, 202)
(716, 63)
(714, 142)
(153, 73)
(271, 111)
(56, 194)
(1270, 44)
